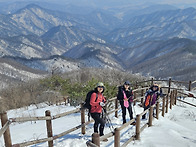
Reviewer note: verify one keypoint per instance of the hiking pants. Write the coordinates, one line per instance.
(124, 111)
(144, 116)
(98, 120)
(145, 108)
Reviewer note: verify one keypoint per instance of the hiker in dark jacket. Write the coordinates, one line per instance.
(98, 101)
(125, 97)
(151, 96)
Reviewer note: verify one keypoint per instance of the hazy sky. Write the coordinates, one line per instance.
(135, 1)
(179, 3)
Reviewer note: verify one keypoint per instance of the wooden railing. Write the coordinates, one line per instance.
(138, 96)
(167, 102)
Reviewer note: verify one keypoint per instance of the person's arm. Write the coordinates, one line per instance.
(120, 94)
(103, 102)
(131, 96)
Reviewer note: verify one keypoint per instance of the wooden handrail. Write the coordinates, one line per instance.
(186, 102)
(183, 82)
(54, 137)
(106, 136)
(4, 128)
(128, 141)
(126, 124)
(23, 119)
(66, 113)
(175, 81)
(185, 94)
(138, 89)
(173, 88)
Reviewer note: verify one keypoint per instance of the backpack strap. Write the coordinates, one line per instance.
(96, 97)
(125, 97)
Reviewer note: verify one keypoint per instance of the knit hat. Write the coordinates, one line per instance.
(100, 84)
(127, 83)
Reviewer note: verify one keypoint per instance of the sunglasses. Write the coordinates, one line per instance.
(100, 87)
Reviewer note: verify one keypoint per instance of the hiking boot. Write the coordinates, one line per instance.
(133, 123)
(105, 140)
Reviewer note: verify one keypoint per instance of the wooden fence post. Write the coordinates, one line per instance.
(116, 107)
(96, 139)
(135, 96)
(167, 103)
(189, 85)
(163, 107)
(117, 137)
(142, 99)
(150, 116)
(82, 119)
(6, 135)
(65, 100)
(137, 136)
(169, 85)
(171, 100)
(157, 110)
(175, 97)
(152, 81)
(49, 128)
(174, 93)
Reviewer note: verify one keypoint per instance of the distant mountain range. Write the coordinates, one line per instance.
(159, 43)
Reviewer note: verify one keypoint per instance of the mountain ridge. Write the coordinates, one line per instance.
(45, 40)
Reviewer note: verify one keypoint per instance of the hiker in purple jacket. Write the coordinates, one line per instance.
(151, 97)
(125, 97)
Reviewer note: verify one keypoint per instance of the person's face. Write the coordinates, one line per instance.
(126, 86)
(100, 89)
(155, 88)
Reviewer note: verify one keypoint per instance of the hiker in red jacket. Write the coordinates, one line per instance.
(98, 101)
(125, 97)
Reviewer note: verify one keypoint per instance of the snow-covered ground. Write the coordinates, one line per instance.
(177, 128)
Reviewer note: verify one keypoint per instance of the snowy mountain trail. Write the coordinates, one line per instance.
(177, 128)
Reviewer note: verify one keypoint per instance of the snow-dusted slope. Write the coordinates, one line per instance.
(176, 128)
(157, 26)
(12, 72)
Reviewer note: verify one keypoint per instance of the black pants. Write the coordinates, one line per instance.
(124, 111)
(144, 116)
(145, 108)
(98, 120)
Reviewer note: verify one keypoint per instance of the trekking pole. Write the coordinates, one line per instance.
(110, 125)
(134, 110)
(108, 120)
